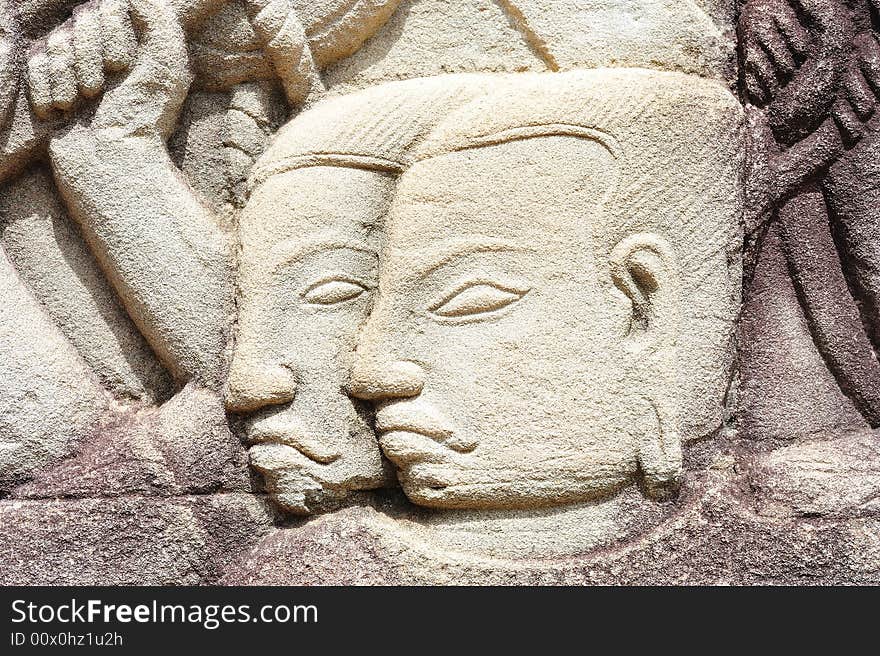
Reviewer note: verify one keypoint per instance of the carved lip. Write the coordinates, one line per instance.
(426, 480)
(407, 417)
(407, 448)
(291, 432)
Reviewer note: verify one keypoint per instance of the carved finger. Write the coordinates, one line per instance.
(869, 59)
(191, 12)
(284, 37)
(813, 9)
(256, 6)
(805, 101)
(851, 128)
(268, 16)
(38, 81)
(59, 50)
(119, 38)
(805, 158)
(334, 37)
(757, 93)
(759, 67)
(859, 93)
(153, 92)
(88, 62)
(796, 37)
(777, 50)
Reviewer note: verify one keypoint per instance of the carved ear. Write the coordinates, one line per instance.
(643, 266)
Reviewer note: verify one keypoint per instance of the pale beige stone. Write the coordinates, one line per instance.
(290, 370)
(476, 37)
(310, 238)
(662, 34)
(338, 28)
(50, 255)
(523, 275)
(49, 399)
(557, 290)
(540, 35)
(289, 366)
(667, 290)
(158, 243)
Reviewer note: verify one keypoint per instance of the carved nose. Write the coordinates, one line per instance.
(249, 388)
(372, 380)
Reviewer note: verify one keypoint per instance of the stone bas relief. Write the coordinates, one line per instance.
(810, 380)
(421, 298)
(415, 291)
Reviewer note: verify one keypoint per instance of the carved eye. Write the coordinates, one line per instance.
(332, 292)
(476, 299)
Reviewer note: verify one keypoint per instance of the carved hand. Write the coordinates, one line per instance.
(158, 244)
(857, 123)
(70, 63)
(795, 55)
(284, 37)
(774, 43)
(72, 60)
(817, 83)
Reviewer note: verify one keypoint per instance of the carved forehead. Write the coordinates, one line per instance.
(648, 149)
(544, 187)
(375, 129)
(301, 201)
(628, 110)
(675, 142)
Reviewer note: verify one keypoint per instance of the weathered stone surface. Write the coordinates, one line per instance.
(832, 477)
(49, 399)
(184, 447)
(786, 389)
(49, 254)
(813, 183)
(131, 540)
(714, 537)
(444, 292)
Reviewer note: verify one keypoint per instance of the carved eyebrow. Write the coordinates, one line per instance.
(429, 260)
(292, 250)
(537, 131)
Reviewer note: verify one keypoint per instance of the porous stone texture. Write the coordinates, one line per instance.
(128, 540)
(439, 292)
(714, 538)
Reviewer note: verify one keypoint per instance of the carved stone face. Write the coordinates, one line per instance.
(535, 339)
(308, 268)
(499, 352)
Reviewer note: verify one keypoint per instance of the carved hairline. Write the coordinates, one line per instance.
(342, 160)
(523, 132)
(394, 167)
